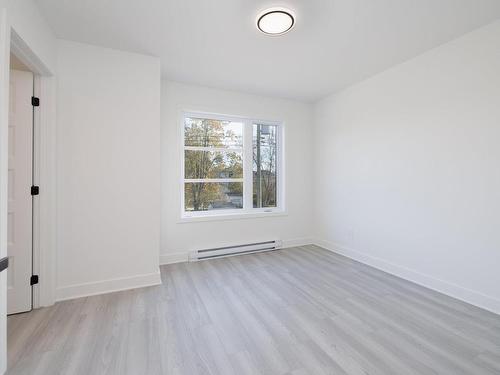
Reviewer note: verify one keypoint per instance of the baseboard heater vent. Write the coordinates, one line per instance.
(219, 252)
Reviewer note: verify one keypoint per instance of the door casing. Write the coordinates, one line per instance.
(44, 168)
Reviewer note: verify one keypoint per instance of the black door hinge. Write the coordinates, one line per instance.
(35, 102)
(34, 280)
(4, 263)
(35, 190)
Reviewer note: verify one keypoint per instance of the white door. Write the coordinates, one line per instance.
(19, 220)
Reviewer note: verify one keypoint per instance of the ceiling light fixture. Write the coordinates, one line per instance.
(275, 21)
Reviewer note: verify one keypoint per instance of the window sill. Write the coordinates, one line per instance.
(226, 217)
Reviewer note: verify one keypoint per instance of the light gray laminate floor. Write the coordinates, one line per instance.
(295, 311)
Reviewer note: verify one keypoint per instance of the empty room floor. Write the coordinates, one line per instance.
(295, 311)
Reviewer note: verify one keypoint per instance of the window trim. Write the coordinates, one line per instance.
(247, 150)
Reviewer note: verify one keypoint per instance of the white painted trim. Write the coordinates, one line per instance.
(4, 157)
(232, 215)
(24, 53)
(171, 258)
(107, 286)
(214, 149)
(36, 200)
(247, 166)
(456, 291)
(45, 244)
(216, 180)
(181, 257)
(295, 242)
(44, 214)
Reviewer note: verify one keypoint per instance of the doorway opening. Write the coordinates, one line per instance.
(22, 188)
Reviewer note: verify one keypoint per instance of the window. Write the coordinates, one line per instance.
(264, 170)
(230, 166)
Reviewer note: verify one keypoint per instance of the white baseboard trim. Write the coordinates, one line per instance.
(303, 241)
(466, 295)
(107, 286)
(180, 257)
(171, 258)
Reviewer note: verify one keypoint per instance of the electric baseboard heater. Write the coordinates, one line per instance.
(219, 252)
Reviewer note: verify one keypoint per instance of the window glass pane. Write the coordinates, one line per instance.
(264, 165)
(200, 132)
(212, 164)
(207, 196)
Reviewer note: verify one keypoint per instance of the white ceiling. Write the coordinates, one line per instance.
(215, 43)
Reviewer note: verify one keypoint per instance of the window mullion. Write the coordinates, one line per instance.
(247, 166)
(212, 180)
(213, 149)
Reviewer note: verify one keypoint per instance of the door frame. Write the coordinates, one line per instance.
(44, 168)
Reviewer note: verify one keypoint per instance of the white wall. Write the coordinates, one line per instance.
(407, 173)
(108, 169)
(178, 238)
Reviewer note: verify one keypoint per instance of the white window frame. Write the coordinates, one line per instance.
(247, 211)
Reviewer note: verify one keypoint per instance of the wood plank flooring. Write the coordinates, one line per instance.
(295, 311)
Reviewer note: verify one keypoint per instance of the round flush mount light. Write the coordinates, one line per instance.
(276, 21)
